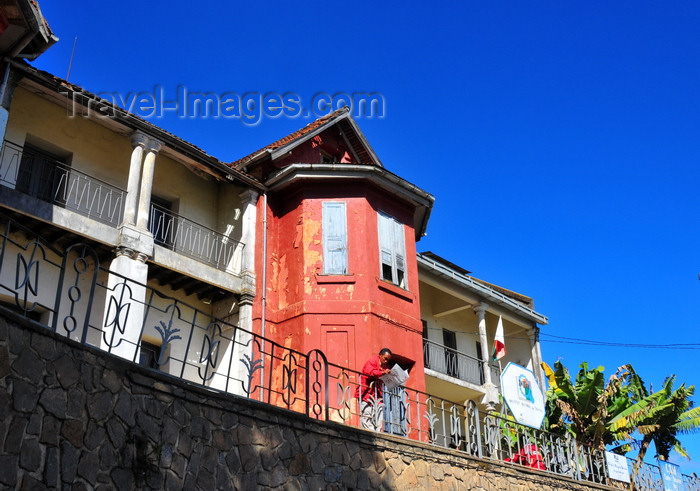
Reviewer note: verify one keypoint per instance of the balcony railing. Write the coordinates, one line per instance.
(459, 365)
(194, 240)
(72, 295)
(57, 183)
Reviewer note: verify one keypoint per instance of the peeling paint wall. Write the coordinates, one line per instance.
(349, 317)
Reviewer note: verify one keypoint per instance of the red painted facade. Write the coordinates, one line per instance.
(352, 316)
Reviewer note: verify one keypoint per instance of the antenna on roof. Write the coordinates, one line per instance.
(70, 63)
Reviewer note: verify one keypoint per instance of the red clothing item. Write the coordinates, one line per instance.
(370, 383)
(529, 456)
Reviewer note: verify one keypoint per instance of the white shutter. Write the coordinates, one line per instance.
(386, 247)
(392, 250)
(335, 257)
(400, 254)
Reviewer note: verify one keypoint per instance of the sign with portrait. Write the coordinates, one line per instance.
(523, 395)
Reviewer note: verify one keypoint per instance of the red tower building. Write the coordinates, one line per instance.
(336, 265)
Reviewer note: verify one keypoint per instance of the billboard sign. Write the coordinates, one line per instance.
(523, 395)
(671, 476)
(617, 467)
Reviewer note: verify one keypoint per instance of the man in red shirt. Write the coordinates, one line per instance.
(370, 389)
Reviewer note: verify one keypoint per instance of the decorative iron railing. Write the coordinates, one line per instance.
(71, 294)
(498, 436)
(691, 482)
(194, 240)
(57, 183)
(456, 364)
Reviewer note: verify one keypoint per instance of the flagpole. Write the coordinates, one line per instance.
(499, 351)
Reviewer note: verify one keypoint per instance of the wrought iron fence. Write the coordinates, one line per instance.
(498, 436)
(194, 240)
(71, 294)
(691, 482)
(57, 183)
(457, 364)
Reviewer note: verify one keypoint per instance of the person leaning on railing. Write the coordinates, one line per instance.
(370, 389)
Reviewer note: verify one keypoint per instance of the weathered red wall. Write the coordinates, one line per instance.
(348, 317)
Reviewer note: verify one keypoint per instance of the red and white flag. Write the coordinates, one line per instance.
(499, 342)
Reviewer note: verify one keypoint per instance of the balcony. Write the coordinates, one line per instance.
(55, 182)
(458, 365)
(193, 240)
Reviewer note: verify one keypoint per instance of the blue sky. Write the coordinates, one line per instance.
(560, 139)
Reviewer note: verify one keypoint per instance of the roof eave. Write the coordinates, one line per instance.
(422, 200)
(489, 294)
(288, 147)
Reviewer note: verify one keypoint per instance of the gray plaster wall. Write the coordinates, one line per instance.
(73, 417)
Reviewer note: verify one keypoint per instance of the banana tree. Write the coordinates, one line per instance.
(660, 418)
(585, 407)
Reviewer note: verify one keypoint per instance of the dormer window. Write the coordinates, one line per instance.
(392, 250)
(327, 158)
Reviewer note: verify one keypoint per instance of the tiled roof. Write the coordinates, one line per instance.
(240, 163)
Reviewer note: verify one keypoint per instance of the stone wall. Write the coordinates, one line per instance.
(72, 417)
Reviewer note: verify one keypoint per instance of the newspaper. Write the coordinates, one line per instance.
(395, 378)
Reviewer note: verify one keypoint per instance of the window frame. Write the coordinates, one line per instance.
(335, 238)
(392, 250)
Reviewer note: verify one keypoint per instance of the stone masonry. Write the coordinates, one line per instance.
(73, 417)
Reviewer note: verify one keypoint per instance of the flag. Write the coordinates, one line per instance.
(499, 342)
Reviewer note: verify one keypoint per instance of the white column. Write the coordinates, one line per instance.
(490, 398)
(249, 198)
(125, 304)
(125, 301)
(533, 335)
(243, 347)
(138, 142)
(480, 311)
(149, 166)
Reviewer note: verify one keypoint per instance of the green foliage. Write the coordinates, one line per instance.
(585, 406)
(615, 413)
(660, 417)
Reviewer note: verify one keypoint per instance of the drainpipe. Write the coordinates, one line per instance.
(264, 293)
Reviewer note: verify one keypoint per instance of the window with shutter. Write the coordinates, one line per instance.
(335, 243)
(392, 250)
